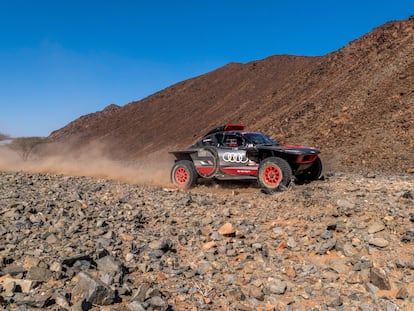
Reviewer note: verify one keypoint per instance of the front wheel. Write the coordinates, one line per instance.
(274, 174)
(183, 174)
(314, 172)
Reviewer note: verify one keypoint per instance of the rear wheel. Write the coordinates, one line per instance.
(274, 174)
(183, 174)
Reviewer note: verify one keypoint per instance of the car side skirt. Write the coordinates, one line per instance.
(239, 171)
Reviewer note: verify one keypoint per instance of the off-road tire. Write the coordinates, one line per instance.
(314, 172)
(183, 174)
(274, 174)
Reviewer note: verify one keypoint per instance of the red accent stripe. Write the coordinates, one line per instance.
(239, 171)
(204, 170)
(292, 146)
(233, 127)
(305, 159)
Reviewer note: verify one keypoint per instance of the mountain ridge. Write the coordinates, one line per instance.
(356, 104)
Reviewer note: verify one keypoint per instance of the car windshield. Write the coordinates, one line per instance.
(259, 139)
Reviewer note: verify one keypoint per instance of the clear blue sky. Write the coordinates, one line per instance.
(60, 59)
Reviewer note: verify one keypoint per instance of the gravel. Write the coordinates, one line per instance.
(80, 243)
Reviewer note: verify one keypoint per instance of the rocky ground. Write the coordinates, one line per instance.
(78, 243)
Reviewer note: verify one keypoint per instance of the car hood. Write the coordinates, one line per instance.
(292, 149)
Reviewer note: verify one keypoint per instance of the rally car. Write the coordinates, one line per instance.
(231, 152)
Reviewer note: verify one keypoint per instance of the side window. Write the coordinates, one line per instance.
(209, 140)
(220, 139)
(233, 141)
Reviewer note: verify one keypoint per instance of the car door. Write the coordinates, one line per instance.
(232, 154)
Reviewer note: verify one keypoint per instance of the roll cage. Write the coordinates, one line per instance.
(234, 139)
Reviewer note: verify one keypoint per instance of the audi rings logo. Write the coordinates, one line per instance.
(235, 157)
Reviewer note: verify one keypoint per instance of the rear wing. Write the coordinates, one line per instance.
(182, 154)
(227, 127)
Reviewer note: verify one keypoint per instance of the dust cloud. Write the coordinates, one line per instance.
(89, 161)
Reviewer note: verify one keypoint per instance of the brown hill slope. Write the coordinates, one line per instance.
(356, 104)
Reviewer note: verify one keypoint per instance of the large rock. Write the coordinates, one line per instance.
(40, 274)
(379, 278)
(92, 290)
(227, 230)
(275, 286)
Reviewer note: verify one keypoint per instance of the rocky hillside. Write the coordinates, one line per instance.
(76, 243)
(356, 104)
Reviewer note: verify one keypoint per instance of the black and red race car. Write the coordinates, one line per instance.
(230, 152)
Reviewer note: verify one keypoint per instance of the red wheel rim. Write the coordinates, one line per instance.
(181, 175)
(272, 175)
